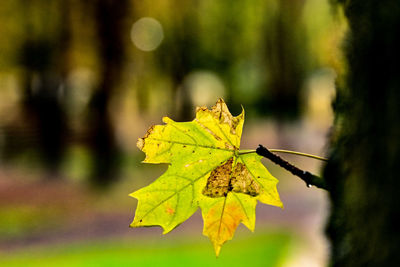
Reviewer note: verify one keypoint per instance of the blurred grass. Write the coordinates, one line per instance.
(17, 221)
(263, 249)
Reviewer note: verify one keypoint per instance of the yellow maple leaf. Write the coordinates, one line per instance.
(206, 170)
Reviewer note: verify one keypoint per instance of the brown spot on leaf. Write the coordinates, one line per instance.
(170, 210)
(209, 131)
(218, 181)
(149, 131)
(229, 146)
(223, 180)
(201, 109)
(242, 182)
(221, 112)
(140, 142)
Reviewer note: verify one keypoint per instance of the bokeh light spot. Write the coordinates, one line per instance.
(147, 34)
(204, 87)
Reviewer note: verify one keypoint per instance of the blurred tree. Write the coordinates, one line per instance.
(180, 53)
(45, 63)
(233, 43)
(204, 35)
(362, 171)
(112, 34)
(286, 60)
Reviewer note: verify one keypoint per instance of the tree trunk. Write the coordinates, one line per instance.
(362, 172)
(286, 61)
(110, 18)
(45, 62)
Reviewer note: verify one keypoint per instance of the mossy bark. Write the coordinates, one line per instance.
(363, 171)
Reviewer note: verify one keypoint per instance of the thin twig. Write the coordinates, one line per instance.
(297, 153)
(309, 178)
(273, 150)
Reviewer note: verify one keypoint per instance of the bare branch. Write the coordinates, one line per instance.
(309, 178)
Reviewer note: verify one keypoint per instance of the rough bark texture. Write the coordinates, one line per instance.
(363, 170)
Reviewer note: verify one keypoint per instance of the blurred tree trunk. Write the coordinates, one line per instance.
(44, 57)
(111, 32)
(363, 169)
(179, 54)
(286, 60)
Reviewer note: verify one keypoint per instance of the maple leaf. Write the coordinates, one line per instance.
(207, 170)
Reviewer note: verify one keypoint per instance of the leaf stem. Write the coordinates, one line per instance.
(249, 151)
(309, 178)
(273, 150)
(297, 153)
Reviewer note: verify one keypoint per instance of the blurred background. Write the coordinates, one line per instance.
(80, 81)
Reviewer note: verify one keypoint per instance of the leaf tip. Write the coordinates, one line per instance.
(133, 195)
(166, 119)
(134, 224)
(166, 231)
(251, 226)
(220, 100)
(168, 228)
(279, 204)
(217, 249)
